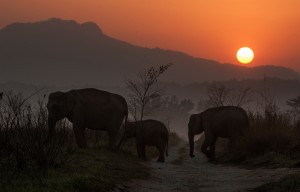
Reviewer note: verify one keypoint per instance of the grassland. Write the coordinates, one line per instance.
(86, 170)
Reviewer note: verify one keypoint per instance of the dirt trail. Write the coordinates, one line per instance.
(184, 174)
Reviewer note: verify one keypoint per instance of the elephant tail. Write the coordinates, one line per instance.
(167, 154)
(126, 119)
(125, 129)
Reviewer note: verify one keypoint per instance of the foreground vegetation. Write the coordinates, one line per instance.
(87, 170)
(272, 140)
(290, 183)
(31, 162)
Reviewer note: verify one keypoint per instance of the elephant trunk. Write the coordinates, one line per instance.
(191, 141)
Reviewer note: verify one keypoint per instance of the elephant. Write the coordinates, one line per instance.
(88, 108)
(149, 132)
(225, 121)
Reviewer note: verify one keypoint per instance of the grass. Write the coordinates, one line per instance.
(29, 163)
(174, 139)
(290, 183)
(182, 153)
(89, 170)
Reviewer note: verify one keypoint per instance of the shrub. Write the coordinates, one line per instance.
(23, 134)
(267, 135)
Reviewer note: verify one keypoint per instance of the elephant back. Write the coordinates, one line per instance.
(99, 102)
(227, 121)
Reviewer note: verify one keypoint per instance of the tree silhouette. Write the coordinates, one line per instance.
(219, 95)
(144, 90)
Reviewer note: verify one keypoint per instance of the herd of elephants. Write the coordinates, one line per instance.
(100, 110)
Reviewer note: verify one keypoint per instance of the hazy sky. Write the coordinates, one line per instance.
(213, 29)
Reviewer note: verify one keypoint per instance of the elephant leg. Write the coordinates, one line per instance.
(140, 148)
(161, 150)
(204, 149)
(144, 152)
(112, 140)
(212, 152)
(79, 132)
(233, 144)
(210, 141)
(115, 135)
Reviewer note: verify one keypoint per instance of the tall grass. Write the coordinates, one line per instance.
(272, 132)
(271, 139)
(30, 162)
(23, 135)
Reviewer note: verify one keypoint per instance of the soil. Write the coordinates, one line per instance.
(180, 173)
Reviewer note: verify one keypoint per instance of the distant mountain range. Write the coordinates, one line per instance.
(61, 52)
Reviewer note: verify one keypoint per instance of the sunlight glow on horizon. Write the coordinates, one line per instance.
(205, 29)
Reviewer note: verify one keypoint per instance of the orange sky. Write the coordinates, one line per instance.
(213, 29)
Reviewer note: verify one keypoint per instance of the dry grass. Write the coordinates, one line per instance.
(290, 183)
(272, 140)
(28, 162)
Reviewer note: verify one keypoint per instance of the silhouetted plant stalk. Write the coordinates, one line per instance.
(294, 105)
(23, 132)
(144, 90)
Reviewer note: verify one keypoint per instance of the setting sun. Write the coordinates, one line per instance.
(245, 55)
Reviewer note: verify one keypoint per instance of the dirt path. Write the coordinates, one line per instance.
(181, 173)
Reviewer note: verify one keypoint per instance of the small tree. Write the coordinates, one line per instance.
(219, 95)
(241, 97)
(269, 104)
(144, 90)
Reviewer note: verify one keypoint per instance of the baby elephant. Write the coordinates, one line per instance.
(149, 132)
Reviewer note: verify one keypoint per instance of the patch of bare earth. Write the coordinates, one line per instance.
(184, 174)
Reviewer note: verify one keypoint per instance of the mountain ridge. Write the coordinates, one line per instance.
(65, 52)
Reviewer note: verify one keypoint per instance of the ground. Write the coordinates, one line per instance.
(184, 174)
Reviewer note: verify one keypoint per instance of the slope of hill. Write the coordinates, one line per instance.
(61, 52)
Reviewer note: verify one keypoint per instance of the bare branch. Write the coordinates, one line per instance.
(219, 95)
(144, 90)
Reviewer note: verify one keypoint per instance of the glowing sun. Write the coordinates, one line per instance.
(245, 55)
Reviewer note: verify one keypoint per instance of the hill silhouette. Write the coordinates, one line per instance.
(64, 52)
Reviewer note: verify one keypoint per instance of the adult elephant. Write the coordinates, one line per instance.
(226, 121)
(149, 133)
(88, 108)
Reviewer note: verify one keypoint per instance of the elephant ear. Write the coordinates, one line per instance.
(54, 100)
(193, 120)
(199, 123)
(196, 123)
(70, 100)
(56, 95)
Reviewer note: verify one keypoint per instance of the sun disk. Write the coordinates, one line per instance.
(245, 55)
